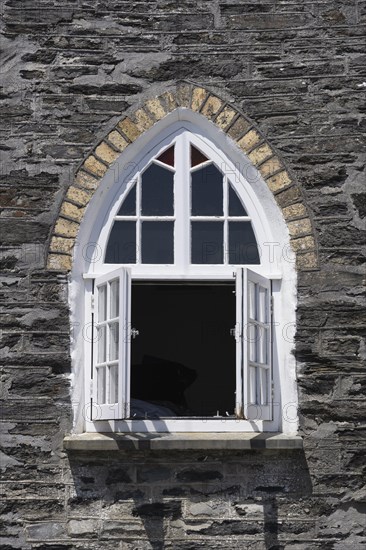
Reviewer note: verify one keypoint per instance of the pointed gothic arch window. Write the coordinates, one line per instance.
(219, 228)
(183, 294)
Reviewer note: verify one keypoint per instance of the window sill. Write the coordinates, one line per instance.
(182, 441)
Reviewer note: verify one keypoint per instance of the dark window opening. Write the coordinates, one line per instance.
(183, 360)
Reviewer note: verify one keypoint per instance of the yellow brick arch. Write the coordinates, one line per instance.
(228, 119)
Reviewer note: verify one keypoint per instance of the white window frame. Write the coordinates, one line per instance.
(272, 267)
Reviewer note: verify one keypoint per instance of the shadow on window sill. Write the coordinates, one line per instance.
(181, 441)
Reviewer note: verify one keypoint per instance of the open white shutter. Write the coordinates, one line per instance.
(111, 345)
(254, 292)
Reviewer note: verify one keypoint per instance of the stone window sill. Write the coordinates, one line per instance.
(181, 441)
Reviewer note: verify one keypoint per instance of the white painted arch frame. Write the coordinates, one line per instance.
(277, 263)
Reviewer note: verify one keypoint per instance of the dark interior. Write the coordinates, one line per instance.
(183, 360)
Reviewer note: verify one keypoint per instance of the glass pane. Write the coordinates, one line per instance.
(252, 299)
(101, 385)
(262, 345)
(157, 197)
(102, 303)
(128, 207)
(242, 244)
(252, 337)
(262, 304)
(167, 157)
(207, 242)
(113, 384)
(207, 192)
(102, 344)
(252, 385)
(262, 386)
(113, 341)
(121, 247)
(157, 242)
(114, 299)
(197, 157)
(235, 206)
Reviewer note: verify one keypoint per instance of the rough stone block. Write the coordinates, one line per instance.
(94, 166)
(46, 530)
(59, 262)
(279, 181)
(117, 140)
(198, 97)
(225, 117)
(307, 261)
(78, 195)
(106, 153)
(260, 154)
(299, 227)
(82, 527)
(249, 140)
(130, 129)
(71, 211)
(240, 126)
(66, 228)
(212, 106)
(155, 108)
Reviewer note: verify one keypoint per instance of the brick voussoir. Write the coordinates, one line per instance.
(211, 106)
(198, 98)
(59, 262)
(129, 129)
(94, 166)
(104, 153)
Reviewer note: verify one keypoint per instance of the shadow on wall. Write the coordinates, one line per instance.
(180, 499)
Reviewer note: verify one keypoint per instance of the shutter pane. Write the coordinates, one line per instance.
(102, 303)
(111, 350)
(113, 341)
(101, 385)
(113, 384)
(114, 299)
(102, 340)
(257, 375)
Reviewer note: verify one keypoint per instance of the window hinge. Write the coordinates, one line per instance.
(92, 303)
(272, 389)
(271, 305)
(91, 388)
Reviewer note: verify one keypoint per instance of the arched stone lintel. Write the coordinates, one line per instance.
(228, 119)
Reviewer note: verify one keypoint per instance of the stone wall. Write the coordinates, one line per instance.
(69, 72)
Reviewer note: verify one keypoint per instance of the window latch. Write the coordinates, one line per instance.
(235, 332)
(134, 333)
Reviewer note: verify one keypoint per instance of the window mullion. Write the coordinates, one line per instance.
(138, 222)
(181, 203)
(226, 213)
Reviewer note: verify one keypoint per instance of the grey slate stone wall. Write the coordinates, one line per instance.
(68, 70)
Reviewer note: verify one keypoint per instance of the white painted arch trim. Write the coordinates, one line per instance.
(272, 237)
